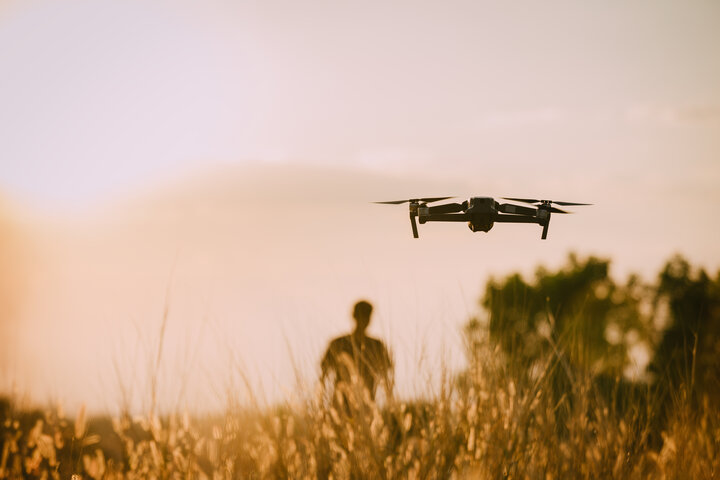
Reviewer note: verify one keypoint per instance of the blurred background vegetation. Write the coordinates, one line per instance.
(665, 333)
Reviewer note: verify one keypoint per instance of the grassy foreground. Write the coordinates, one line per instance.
(490, 425)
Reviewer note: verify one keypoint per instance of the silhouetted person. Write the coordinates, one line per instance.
(366, 355)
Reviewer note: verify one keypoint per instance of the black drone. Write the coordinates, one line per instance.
(482, 212)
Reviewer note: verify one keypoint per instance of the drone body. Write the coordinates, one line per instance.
(481, 213)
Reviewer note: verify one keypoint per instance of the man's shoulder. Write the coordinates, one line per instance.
(373, 340)
(345, 343)
(375, 344)
(340, 342)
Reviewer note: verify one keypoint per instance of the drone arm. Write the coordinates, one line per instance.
(516, 209)
(544, 222)
(446, 217)
(448, 208)
(516, 219)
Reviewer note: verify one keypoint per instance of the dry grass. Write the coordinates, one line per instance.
(493, 424)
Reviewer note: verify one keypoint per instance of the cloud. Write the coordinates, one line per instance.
(521, 118)
(674, 115)
(644, 114)
(389, 158)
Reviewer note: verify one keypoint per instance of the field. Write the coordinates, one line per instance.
(543, 395)
(490, 423)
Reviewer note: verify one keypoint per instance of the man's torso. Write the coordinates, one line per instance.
(368, 356)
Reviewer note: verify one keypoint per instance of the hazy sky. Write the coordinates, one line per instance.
(101, 96)
(104, 103)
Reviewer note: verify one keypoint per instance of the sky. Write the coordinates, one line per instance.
(122, 124)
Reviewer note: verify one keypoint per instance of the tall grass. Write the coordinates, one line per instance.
(491, 423)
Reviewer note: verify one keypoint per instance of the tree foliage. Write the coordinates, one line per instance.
(578, 310)
(688, 353)
(581, 315)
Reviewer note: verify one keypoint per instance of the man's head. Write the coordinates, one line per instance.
(361, 314)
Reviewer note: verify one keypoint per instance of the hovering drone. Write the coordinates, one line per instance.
(482, 212)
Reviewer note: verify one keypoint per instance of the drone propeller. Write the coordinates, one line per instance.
(546, 202)
(415, 200)
(556, 210)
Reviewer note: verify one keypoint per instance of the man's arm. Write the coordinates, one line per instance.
(386, 370)
(325, 365)
(388, 361)
(328, 362)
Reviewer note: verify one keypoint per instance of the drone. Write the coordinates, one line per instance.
(481, 213)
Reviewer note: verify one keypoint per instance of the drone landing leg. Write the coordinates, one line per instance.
(414, 225)
(545, 227)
